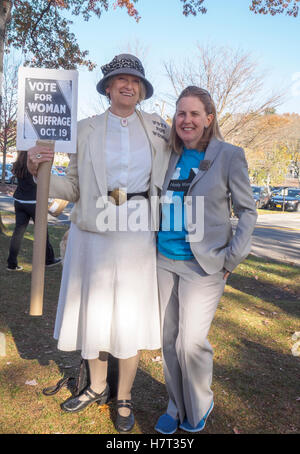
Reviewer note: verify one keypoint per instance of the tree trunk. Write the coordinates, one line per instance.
(4, 149)
(5, 10)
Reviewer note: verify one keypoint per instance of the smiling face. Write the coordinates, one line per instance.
(190, 120)
(124, 93)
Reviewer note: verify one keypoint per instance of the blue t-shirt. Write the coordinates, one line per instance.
(171, 238)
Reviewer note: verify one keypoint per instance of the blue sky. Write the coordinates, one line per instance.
(164, 33)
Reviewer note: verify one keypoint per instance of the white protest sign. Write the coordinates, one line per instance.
(47, 108)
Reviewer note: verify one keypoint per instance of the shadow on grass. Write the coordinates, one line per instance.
(271, 265)
(283, 296)
(263, 384)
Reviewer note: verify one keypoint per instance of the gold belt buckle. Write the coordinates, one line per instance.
(119, 196)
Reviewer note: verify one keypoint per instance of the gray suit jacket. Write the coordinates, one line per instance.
(224, 171)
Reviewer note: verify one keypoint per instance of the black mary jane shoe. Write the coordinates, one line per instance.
(124, 424)
(74, 404)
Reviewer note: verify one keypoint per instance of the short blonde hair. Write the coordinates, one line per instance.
(142, 94)
(213, 130)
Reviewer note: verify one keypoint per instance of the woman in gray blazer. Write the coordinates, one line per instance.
(108, 301)
(197, 251)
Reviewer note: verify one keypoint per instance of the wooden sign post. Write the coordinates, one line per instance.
(40, 234)
(47, 112)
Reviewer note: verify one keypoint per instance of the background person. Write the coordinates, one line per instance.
(192, 272)
(108, 300)
(25, 203)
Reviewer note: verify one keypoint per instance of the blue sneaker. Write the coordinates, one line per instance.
(166, 424)
(185, 425)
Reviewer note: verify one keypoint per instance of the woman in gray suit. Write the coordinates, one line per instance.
(197, 251)
(108, 300)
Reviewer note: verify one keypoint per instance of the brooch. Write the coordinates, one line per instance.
(205, 164)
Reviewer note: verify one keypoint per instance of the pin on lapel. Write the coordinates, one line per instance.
(205, 164)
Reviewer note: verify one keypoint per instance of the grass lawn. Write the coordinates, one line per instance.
(256, 375)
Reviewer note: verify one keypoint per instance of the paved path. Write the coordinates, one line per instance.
(277, 236)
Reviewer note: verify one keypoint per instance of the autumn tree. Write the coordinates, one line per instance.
(274, 150)
(273, 7)
(25, 24)
(291, 141)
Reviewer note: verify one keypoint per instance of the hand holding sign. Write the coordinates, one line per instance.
(38, 154)
(46, 119)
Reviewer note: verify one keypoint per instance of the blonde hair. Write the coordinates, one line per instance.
(142, 94)
(213, 130)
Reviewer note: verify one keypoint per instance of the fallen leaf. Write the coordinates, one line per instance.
(157, 359)
(31, 382)
(235, 430)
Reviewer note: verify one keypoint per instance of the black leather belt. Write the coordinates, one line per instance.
(120, 196)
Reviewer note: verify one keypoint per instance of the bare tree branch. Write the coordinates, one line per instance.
(234, 81)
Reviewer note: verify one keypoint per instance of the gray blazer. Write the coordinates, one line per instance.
(224, 171)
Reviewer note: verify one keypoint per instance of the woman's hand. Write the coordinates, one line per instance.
(36, 155)
(226, 274)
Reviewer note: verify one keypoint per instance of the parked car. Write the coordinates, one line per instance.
(9, 176)
(261, 196)
(287, 199)
(277, 190)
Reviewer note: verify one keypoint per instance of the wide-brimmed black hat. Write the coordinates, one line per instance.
(124, 64)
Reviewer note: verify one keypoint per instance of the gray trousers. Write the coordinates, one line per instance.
(188, 301)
